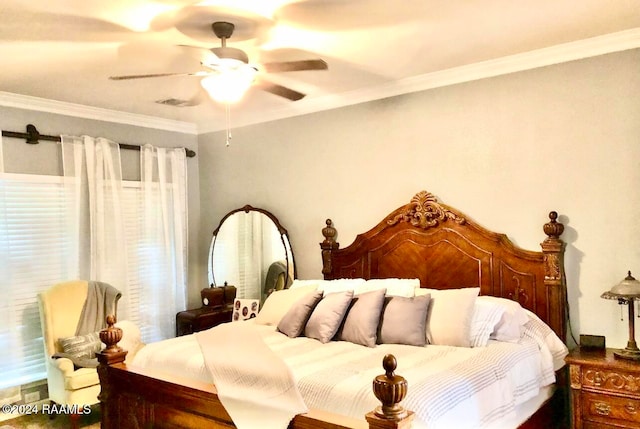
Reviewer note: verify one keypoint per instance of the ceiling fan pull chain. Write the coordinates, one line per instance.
(228, 119)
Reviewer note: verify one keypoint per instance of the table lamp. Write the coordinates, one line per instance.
(627, 291)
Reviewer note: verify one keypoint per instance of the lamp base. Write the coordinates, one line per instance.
(629, 354)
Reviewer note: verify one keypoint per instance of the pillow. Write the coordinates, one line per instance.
(403, 320)
(510, 326)
(293, 322)
(279, 302)
(486, 315)
(81, 346)
(450, 314)
(330, 286)
(395, 287)
(360, 324)
(327, 316)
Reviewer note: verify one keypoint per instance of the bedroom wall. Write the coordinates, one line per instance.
(505, 150)
(45, 158)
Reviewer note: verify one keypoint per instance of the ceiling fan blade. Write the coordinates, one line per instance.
(279, 90)
(144, 76)
(288, 66)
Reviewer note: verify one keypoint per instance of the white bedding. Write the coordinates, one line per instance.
(448, 386)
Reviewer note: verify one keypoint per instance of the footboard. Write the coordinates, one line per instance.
(133, 398)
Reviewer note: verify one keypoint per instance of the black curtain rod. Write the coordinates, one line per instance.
(33, 136)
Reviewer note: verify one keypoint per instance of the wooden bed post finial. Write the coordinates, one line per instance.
(390, 389)
(110, 336)
(328, 246)
(554, 278)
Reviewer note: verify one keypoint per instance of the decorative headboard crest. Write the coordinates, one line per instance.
(424, 211)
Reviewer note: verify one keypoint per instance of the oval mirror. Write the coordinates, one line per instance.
(251, 250)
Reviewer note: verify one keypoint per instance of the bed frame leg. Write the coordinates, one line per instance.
(390, 389)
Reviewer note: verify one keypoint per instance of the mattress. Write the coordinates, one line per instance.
(486, 387)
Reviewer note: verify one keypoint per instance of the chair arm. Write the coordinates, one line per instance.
(65, 365)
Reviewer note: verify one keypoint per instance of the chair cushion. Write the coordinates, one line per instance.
(81, 378)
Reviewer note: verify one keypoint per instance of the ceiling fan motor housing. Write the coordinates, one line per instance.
(222, 29)
(231, 53)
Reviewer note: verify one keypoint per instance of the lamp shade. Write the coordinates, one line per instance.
(231, 82)
(627, 288)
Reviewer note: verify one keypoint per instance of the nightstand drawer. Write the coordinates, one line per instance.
(611, 380)
(609, 409)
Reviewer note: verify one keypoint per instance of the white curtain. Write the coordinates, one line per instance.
(1, 155)
(93, 176)
(164, 187)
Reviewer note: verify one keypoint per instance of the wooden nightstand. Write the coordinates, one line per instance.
(199, 319)
(605, 390)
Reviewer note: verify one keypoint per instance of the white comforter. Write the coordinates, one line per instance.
(448, 386)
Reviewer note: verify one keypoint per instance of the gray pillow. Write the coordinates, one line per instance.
(327, 316)
(404, 320)
(292, 323)
(81, 346)
(360, 325)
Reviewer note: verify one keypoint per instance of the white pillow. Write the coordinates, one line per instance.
(279, 302)
(510, 326)
(486, 315)
(449, 316)
(329, 286)
(303, 283)
(394, 287)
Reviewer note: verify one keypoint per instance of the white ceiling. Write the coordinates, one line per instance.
(63, 51)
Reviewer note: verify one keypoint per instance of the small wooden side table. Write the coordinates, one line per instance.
(199, 319)
(605, 390)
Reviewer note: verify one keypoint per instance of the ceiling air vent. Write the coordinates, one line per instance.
(175, 102)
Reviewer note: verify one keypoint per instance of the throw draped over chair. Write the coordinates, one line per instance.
(60, 310)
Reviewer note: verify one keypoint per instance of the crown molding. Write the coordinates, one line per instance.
(8, 99)
(586, 48)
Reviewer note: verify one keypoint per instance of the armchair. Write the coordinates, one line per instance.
(60, 309)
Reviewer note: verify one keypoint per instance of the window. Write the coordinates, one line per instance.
(39, 248)
(144, 303)
(37, 251)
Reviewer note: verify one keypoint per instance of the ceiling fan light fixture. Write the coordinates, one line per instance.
(229, 85)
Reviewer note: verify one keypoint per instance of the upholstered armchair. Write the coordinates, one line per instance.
(60, 309)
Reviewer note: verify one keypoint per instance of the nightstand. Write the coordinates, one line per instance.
(199, 319)
(605, 390)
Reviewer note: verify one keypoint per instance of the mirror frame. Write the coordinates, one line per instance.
(281, 230)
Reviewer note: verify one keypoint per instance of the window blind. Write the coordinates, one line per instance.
(146, 274)
(39, 248)
(37, 251)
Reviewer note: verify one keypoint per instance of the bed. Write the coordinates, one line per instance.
(424, 240)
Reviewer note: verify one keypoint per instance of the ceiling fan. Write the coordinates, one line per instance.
(229, 74)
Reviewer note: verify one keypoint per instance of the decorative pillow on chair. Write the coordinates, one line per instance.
(293, 322)
(328, 315)
(403, 320)
(80, 349)
(360, 325)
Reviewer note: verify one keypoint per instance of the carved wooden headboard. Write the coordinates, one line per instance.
(445, 249)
